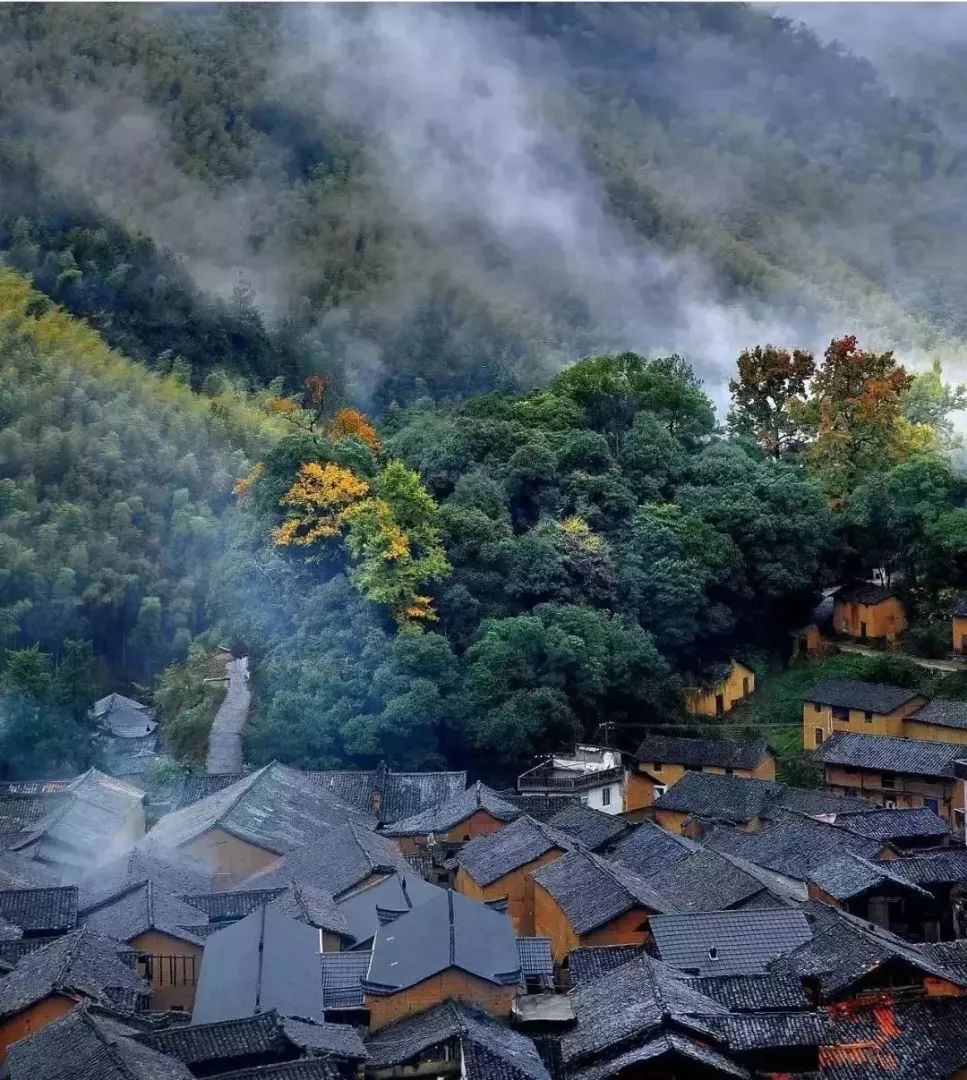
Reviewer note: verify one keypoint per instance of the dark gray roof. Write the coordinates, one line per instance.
(139, 908)
(857, 694)
(865, 592)
(21, 812)
(276, 808)
(309, 1069)
(507, 1054)
(19, 872)
(78, 1046)
(793, 845)
(671, 1046)
(844, 950)
(632, 1003)
(264, 961)
(401, 795)
(951, 954)
(124, 717)
(594, 961)
(342, 975)
(899, 824)
(592, 891)
(176, 875)
(335, 862)
(943, 868)
(81, 963)
(204, 1046)
(888, 753)
(535, 956)
(446, 815)
(193, 789)
(724, 753)
(446, 932)
(50, 911)
(704, 881)
(225, 907)
(921, 1040)
(650, 847)
(592, 828)
(716, 797)
(848, 876)
(942, 712)
(540, 805)
(771, 1031)
(130, 756)
(488, 858)
(729, 942)
(395, 893)
(306, 903)
(752, 993)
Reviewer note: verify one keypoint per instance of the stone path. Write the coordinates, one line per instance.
(225, 740)
(934, 665)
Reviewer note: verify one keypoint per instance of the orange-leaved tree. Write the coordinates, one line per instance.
(765, 397)
(351, 422)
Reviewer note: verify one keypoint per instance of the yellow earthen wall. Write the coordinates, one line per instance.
(883, 620)
(232, 860)
(480, 823)
(33, 1019)
(701, 701)
(821, 716)
(517, 887)
(163, 994)
(496, 1000)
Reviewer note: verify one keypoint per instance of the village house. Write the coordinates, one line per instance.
(39, 913)
(167, 933)
(700, 800)
(661, 760)
(264, 961)
(594, 774)
(177, 876)
(940, 720)
(365, 909)
(944, 875)
(84, 823)
(870, 613)
(249, 825)
(958, 629)
(500, 866)
(48, 982)
(447, 947)
(591, 828)
(836, 705)
(129, 734)
(475, 812)
(718, 688)
(896, 772)
(255, 1042)
(582, 900)
(96, 1047)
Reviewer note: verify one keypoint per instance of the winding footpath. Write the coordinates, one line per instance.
(225, 739)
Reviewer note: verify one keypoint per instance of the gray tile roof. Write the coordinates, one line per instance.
(309, 1069)
(848, 876)
(225, 907)
(594, 961)
(943, 868)
(592, 891)
(444, 816)
(865, 592)
(81, 963)
(401, 795)
(535, 956)
(730, 942)
(40, 911)
(143, 907)
(124, 717)
(649, 848)
(921, 1040)
(671, 1046)
(723, 753)
(942, 712)
(335, 862)
(856, 694)
(592, 828)
(771, 1031)
(900, 824)
(220, 1045)
(395, 893)
(844, 950)
(448, 931)
(306, 903)
(540, 805)
(193, 789)
(84, 824)
(951, 954)
(632, 1003)
(177, 875)
(507, 1055)
(19, 872)
(276, 808)
(261, 962)
(705, 881)
(752, 993)
(888, 753)
(130, 756)
(793, 845)
(79, 1046)
(342, 975)
(488, 858)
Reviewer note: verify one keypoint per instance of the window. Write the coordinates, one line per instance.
(867, 718)
(729, 772)
(657, 767)
(660, 790)
(819, 735)
(841, 714)
(719, 704)
(932, 804)
(745, 685)
(887, 780)
(606, 796)
(817, 707)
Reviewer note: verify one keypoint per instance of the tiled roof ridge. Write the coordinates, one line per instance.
(68, 959)
(254, 779)
(111, 1046)
(353, 826)
(110, 898)
(884, 869)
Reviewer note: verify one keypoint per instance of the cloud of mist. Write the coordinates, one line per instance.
(454, 123)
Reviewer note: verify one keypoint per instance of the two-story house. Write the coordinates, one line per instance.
(839, 705)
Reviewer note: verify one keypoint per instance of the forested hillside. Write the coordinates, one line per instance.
(227, 228)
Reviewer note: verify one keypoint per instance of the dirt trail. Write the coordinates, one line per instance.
(225, 740)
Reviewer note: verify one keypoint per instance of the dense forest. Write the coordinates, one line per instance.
(290, 323)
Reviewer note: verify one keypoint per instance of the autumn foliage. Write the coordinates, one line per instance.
(351, 422)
